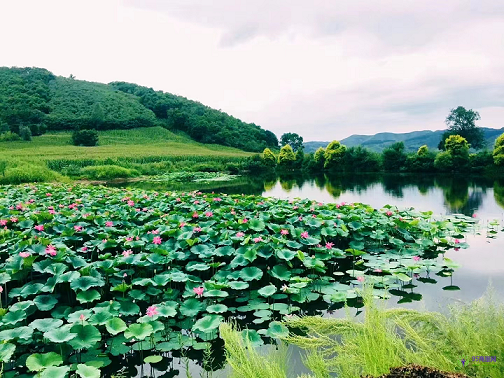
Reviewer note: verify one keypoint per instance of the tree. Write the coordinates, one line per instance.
(268, 158)
(300, 156)
(498, 151)
(334, 154)
(462, 122)
(456, 156)
(286, 157)
(319, 158)
(98, 116)
(25, 133)
(85, 137)
(292, 139)
(394, 157)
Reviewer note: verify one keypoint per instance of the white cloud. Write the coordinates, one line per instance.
(324, 69)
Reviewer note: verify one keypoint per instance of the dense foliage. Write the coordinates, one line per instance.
(36, 98)
(85, 137)
(292, 139)
(104, 277)
(498, 152)
(462, 122)
(201, 122)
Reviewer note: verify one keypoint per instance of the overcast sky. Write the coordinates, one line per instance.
(325, 69)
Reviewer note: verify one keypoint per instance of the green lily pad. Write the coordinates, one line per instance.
(6, 351)
(86, 371)
(115, 326)
(238, 285)
(251, 273)
(45, 302)
(55, 372)
(46, 324)
(86, 336)
(88, 296)
(280, 272)
(208, 323)
(277, 330)
(191, 307)
(61, 334)
(139, 331)
(153, 359)
(217, 308)
(38, 362)
(267, 291)
(24, 333)
(251, 336)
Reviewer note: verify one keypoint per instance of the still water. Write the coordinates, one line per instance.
(481, 265)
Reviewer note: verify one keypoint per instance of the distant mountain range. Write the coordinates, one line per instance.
(412, 141)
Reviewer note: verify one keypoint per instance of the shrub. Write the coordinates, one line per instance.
(443, 162)
(498, 152)
(480, 161)
(268, 158)
(458, 148)
(394, 158)
(29, 173)
(333, 155)
(25, 133)
(107, 172)
(286, 157)
(85, 138)
(9, 136)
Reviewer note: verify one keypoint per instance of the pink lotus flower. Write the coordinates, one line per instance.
(284, 288)
(145, 209)
(50, 250)
(208, 214)
(178, 200)
(199, 291)
(329, 245)
(104, 241)
(127, 253)
(129, 238)
(19, 206)
(48, 194)
(84, 249)
(1, 289)
(78, 228)
(151, 311)
(196, 202)
(457, 241)
(300, 219)
(155, 232)
(360, 279)
(61, 206)
(13, 219)
(304, 235)
(474, 215)
(378, 270)
(109, 224)
(197, 229)
(233, 212)
(416, 258)
(24, 255)
(245, 220)
(320, 204)
(39, 227)
(239, 234)
(82, 317)
(157, 240)
(125, 275)
(131, 203)
(257, 240)
(3, 222)
(52, 212)
(217, 199)
(182, 224)
(295, 207)
(389, 213)
(284, 232)
(195, 215)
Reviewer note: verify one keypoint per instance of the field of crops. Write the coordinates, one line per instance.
(94, 279)
(154, 141)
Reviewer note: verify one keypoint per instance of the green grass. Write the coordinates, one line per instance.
(146, 142)
(386, 338)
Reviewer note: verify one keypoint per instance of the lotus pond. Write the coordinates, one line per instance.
(95, 281)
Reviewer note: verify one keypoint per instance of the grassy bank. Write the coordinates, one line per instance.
(385, 339)
(121, 153)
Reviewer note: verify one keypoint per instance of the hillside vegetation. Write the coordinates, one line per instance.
(412, 141)
(36, 98)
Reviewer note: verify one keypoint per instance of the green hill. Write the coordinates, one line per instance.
(412, 141)
(36, 98)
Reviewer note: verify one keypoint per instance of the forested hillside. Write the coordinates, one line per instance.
(36, 98)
